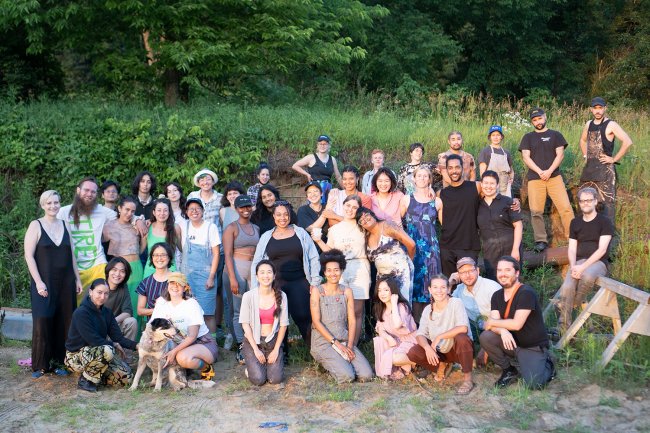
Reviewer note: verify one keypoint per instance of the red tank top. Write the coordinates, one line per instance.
(266, 316)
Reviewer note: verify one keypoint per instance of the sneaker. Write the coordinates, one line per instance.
(240, 354)
(61, 372)
(540, 246)
(207, 373)
(86, 385)
(227, 342)
(38, 373)
(508, 376)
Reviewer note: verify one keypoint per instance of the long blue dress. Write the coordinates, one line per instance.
(420, 219)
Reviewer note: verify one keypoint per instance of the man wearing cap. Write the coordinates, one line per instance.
(494, 157)
(475, 292)
(597, 145)
(543, 151)
(319, 166)
(515, 337)
(455, 141)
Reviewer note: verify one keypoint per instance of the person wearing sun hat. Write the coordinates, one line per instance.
(597, 145)
(205, 179)
(198, 350)
(494, 157)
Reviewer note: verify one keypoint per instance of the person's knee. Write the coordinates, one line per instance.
(343, 376)
(257, 377)
(463, 343)
(109, 352)
(487, 338)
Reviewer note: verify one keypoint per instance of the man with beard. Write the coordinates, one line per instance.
(515, 333)
(455, 141)
(85, 219)
(475, 292)
(460, 200)
(589, 239)
(597, 145)
(543, 151)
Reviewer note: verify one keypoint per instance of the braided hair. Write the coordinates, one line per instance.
(442, 277)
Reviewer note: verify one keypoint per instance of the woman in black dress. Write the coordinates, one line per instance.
(54, 278)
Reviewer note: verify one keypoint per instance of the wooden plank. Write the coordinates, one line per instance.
(580, 320)
(623, 289)
(640, 317)
(606, 305)
(551, 303)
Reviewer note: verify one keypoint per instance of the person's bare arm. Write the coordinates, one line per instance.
(404, 204)
(626, 142)
(32, 236)
(525, 155)
(583, 139)
(516, 242)
(603, 243)
(228, 251)
(300, 165)
(397, 233)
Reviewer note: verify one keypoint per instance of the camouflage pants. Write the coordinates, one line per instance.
(99, 365)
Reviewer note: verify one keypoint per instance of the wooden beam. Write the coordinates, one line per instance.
(554, 256)
(624, 290)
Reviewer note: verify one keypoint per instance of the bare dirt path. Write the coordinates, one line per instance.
(311, 402)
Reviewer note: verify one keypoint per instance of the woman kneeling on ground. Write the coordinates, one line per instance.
(332, 315)
(265, 317)
(94, 340)
(396, 330)
(443, 336)
(198, 350)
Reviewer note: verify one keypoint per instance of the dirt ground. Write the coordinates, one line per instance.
(311, 402)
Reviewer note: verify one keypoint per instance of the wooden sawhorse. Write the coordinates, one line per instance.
(604, 303)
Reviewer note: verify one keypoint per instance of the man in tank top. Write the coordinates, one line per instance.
(597, 145)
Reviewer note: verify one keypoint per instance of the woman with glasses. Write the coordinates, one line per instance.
(384, 241)
(500, 227)
(152, 287)
(201, 240)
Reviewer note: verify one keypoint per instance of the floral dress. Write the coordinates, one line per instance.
(420, 219)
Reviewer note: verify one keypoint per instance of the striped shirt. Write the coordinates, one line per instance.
(151, 289)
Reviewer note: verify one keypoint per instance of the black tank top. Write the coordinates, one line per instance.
(608, 146)
(286, 255)
(459, 209)
(321, 170)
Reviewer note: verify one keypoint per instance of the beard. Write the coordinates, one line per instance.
(80, 207)
(540, 126)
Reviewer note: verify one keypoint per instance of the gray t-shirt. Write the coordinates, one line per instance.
(432, 325)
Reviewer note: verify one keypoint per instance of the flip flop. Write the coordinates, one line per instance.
(465, 388)
(25, 362)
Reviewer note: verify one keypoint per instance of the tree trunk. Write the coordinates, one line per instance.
(172, 79)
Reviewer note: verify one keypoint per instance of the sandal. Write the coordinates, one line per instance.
(465, 388)
(444, 370)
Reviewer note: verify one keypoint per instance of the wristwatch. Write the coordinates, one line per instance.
(334, 340)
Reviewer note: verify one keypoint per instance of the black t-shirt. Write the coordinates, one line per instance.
(588, 234)
(495, 220)
(533, 333)
(459, 209)
(542, 147)
(308, 216)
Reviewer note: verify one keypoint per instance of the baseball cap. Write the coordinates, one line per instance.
(314, 183)
(496, 128)
(536, 112)
(323, 138)
(194, 200)
(598, 101)
(242, 201)
(465, 261)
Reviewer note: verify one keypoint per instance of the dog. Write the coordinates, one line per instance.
(158, 339)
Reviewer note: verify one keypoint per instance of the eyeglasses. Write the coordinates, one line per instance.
(365, 218)
(469, 272)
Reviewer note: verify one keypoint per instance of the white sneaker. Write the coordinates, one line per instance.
(227, 343)
(246, 372)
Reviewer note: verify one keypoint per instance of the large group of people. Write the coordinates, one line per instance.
(402, 249)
